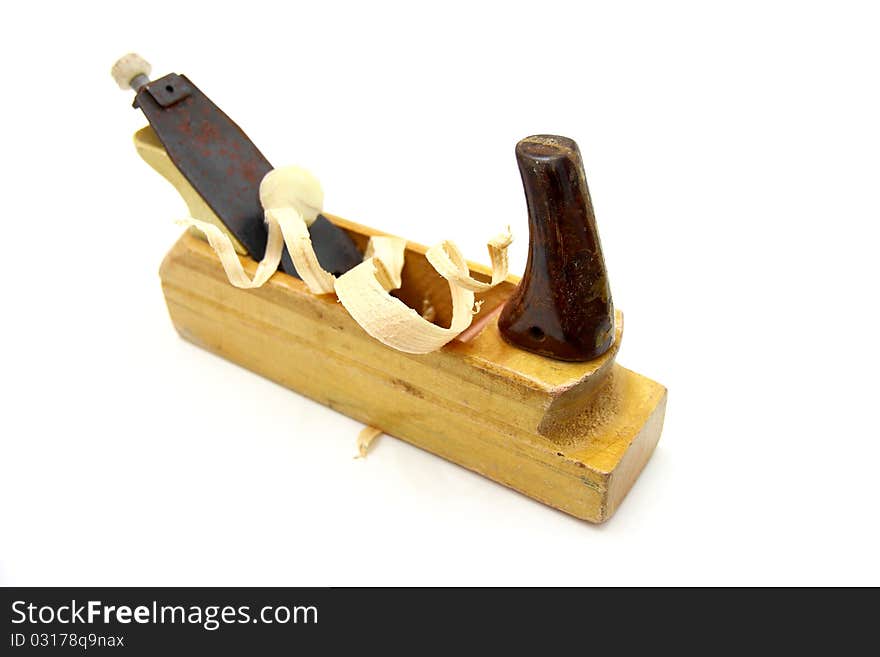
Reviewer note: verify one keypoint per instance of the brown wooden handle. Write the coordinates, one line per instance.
(562, 308)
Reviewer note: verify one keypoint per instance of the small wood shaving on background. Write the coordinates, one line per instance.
(365, 439)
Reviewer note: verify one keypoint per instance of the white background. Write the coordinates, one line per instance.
(732, 154)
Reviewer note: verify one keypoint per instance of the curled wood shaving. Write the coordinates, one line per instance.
(299, 245)
(363, 292)
(224, 249)
(365, 439)
(292, 199)
(449, 263)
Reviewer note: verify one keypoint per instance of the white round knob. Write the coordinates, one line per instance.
(128, 67)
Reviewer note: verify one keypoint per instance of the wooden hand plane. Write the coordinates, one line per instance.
(530, 396)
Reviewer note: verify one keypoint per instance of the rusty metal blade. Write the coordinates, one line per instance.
(225, 167)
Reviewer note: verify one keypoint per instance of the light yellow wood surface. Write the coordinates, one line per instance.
(148, 146)
(572, 435)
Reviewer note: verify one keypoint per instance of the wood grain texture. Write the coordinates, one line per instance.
(571, 435)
